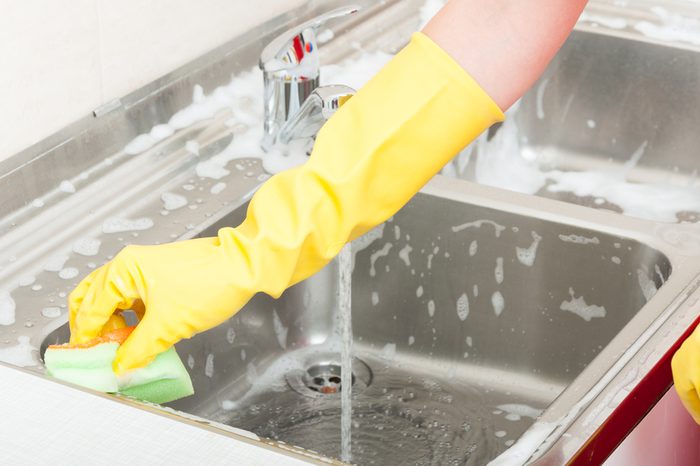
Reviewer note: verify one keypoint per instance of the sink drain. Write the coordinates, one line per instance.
(322, 378)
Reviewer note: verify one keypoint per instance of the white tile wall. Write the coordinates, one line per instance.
(49, 68)
(60, 59)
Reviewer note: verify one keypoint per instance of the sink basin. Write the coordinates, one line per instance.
(622, 110)
(468, 323)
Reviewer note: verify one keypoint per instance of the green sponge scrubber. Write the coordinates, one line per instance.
(90, 365)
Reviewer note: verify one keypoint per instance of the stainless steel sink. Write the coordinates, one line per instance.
(469, 321)
(506, 307)
(608, 103)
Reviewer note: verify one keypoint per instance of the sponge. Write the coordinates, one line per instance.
(90, 365)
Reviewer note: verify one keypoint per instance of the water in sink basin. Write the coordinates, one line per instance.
(407, 415)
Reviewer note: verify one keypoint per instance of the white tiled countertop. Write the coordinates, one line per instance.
(43, 422)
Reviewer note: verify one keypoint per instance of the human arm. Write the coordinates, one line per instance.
(369, 159)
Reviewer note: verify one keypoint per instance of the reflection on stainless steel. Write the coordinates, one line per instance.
(291, 66)
(489, 315)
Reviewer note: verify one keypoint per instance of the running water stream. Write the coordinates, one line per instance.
(345, 315)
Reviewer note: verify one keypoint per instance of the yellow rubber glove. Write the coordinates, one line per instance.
(686, 374)
(368, 161)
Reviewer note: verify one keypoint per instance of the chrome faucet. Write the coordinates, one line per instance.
(294, 102)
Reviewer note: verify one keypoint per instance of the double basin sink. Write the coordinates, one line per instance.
(482, 319)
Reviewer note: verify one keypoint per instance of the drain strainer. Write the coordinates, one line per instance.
(322, 378)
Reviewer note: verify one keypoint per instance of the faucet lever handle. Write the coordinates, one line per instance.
(288, 49)
(323, 102)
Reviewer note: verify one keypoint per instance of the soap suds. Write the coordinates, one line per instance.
(478, 224)
(646, 284)
(51, 312)
(498, 303)
(505, 162)
(388, 352)
(211, 169)
(192, 147)
(87, 246)
(404, 255)
(55, 263)
(579, 307)
(172, 201)
(610, 22)
(526, 256)
(672, 27)
(119, 225)
(209, 366)
(463, 307)
(280, 330)
(22, 354)
(522, 410)
(498, 271)
(66, 187)
(7, 308)
(218, 188)
(376, 255)
(431, 308)
(68, 273)
(578, 239)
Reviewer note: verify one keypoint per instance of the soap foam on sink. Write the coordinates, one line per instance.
(498, 303)
(172, 201)
(463, 307)
(498, 271)
(578, 239)
(119, 225)
(66, 187)
(22, 354)
(503, 162)
(526, 256)
(646, 284)
(579, 307)
(217, 188)
(672, 27)
(51, 312)
(478, 224)
(376, 255)
(68, 273)
(55, 263)
(87, 246)
(7, 308)
(404, 255)
(522, 410)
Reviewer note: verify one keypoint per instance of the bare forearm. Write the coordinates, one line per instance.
(504, 44)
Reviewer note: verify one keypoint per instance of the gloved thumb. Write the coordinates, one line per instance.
(147, 341)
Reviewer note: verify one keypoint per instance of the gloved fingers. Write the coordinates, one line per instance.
(149, 338)
(107, 293)
(75, 300)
